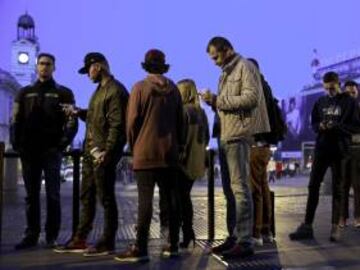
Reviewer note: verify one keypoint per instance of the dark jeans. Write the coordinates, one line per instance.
(186, 207)
(351, 171)
(318, 170)
(32, 169)
(98, 181)
(259, 158)
(166, 179)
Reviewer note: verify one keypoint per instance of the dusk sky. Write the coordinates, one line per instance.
(280, 34)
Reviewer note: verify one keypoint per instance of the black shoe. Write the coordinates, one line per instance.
(335, 233)
(238, 251)
(228, 244)
(303, 232)
(187, 240)
(51, 243)
(27, 242)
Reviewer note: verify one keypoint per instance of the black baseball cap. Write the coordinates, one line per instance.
(91, 58)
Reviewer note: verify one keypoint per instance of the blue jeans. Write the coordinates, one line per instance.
(234, 164)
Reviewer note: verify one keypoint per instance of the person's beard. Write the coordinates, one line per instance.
(98, 78)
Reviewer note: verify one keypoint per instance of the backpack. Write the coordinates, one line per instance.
(277, 124)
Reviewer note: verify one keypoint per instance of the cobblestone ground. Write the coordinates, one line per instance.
(289, 209)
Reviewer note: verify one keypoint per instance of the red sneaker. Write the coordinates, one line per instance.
(74, 245)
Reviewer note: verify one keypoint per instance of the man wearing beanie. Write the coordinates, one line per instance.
(154, 132)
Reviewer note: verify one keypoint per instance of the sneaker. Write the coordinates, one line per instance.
(335, 233)
(228, 244)
(100, 249)
(238, 251)
(304, 231)
(258, 242)
(342, 223)
(169, 252)
(133, 255)
(26, 242)
(74, 245)
(268, 238)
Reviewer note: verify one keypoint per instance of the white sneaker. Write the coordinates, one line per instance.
(258, 242)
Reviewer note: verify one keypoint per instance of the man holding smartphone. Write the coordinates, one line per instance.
(242, 112)
(334, 118)
(104, 142)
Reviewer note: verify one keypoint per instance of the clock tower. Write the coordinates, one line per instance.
(24, 51)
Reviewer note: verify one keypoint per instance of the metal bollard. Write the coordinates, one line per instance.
(211, 199)
(2, 150)
(76, 154)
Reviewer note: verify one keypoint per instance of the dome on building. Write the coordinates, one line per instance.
(26, 21)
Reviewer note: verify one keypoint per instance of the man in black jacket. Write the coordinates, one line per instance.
(104, 141)
(334, 118)
(40, 131)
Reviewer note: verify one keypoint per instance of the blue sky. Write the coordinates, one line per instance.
(281, 34)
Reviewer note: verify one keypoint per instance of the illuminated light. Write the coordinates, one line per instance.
(23, 58)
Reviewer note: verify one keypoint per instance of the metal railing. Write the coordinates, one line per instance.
(76, 158)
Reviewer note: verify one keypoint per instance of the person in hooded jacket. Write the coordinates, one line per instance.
(154, 133)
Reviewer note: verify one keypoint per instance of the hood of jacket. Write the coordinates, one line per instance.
(159, 83)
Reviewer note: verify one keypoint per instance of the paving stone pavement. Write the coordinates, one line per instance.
(290, 200)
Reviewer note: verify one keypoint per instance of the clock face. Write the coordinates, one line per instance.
(23, 58)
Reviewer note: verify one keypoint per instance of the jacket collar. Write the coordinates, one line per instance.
(228, 67)
(106, 85)
(49, 83)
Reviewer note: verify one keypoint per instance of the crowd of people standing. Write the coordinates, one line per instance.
(167, 132)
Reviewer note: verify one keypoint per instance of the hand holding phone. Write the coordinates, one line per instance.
(69, 109)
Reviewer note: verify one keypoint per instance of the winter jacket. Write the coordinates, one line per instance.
(39, 123)
(240, 103)
(105, 119)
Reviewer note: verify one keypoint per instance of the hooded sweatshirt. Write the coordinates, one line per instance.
(154, 123)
